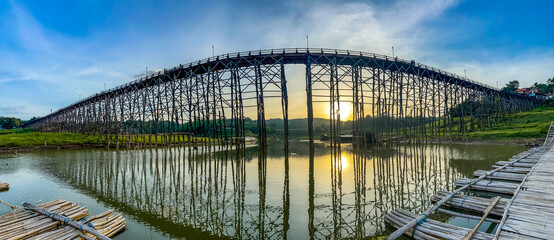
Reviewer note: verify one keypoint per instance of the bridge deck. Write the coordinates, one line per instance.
(531, 212)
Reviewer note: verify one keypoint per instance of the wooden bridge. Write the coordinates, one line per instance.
(527, 177)
(390, 97)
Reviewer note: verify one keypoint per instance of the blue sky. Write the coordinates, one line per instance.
(52, 52)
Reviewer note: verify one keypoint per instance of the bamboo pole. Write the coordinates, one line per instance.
(69, 221)
(485, 215)
(546, 142)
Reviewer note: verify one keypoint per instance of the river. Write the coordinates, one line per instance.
(178, 193)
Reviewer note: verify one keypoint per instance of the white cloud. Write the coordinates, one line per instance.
(362, 26)
(62, 67)
(526, 68)
(359, 26)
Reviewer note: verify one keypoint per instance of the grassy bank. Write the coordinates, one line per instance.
(530, 126)
(27, 138)
(522, 126)
(21, 138)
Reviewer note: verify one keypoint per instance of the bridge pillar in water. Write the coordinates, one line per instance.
(309, 102)
(285, 106)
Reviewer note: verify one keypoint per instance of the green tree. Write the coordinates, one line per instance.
(23, 122)
(511, 86)
(9, 123)
(550, 81)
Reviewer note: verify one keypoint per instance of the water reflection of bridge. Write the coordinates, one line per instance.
(247, 194)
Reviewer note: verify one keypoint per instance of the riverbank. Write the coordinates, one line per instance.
(523, 127)
(519, 129)
(12, 140)
(10, 148)
(23, 140)
(50, 147)
(491, 141)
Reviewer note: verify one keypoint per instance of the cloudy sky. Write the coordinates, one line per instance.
(53, 52)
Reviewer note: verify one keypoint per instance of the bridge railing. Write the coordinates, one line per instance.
(278, 51)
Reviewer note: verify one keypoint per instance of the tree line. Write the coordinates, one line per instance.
(513, 86)
(12, 122)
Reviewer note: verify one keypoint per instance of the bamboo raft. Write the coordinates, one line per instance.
(430, 229)
(489, 185)
(472, 203)
(528, 176)
(28, 224)
(530, 212)
(507, 176)
(514, 170)
(516, 164)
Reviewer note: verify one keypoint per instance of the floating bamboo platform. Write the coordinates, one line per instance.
(514, 170)
(430, 229)
(489, 185)
(472, 203)
(525, 160)
(516, 164)
(28, 224)
(528, 214)
(506, 176)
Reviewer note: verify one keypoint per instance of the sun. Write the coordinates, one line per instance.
(345, 110)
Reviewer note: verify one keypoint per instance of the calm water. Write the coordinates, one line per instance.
(177, 193)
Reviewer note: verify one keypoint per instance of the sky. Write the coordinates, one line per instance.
(52, 53)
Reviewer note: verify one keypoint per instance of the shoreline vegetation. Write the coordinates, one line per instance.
(13, 140)
(519, 128)
(522, 127)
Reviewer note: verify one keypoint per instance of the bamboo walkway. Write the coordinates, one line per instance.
(528, 214)
(27, 224)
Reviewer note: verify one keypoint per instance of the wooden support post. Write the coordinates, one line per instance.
(309, 101)
(285, 106)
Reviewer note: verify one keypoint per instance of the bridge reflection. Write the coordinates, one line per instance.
(329, 192)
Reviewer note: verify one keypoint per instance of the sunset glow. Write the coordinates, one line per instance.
(345, 110)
